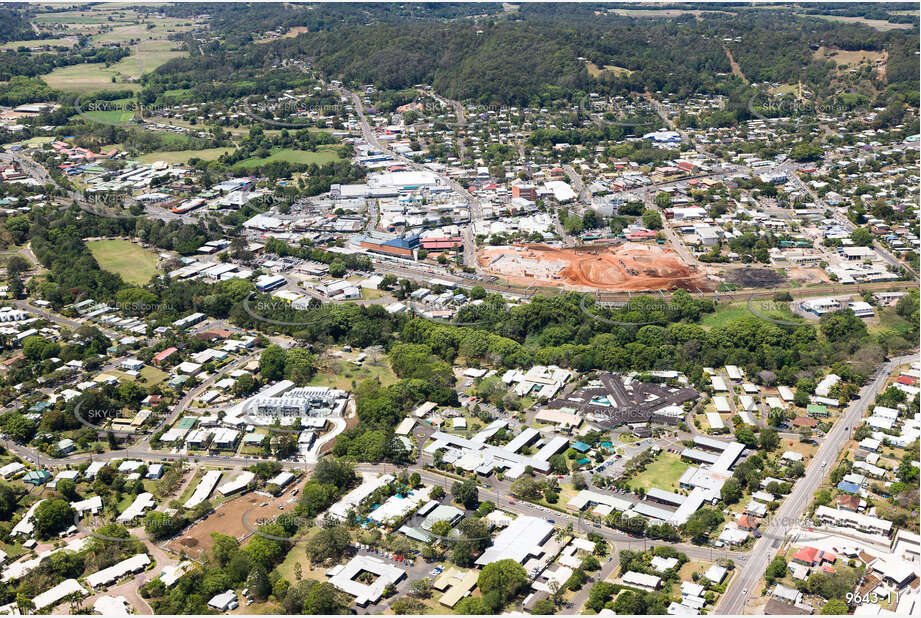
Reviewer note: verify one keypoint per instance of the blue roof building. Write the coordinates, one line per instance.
(851, 488)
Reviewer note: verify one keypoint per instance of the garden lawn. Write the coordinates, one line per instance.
(662, 473)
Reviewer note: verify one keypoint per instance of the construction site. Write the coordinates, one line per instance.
(627, 267)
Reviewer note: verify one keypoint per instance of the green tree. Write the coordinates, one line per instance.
(300, 365)
(835, 607)
(337, 268)
(328, 544)
(862, 237)
(731, 491)
(777, 569)
(272, 363)
(472, 606)
(544, 607)
(53, 516)
(652, 220)
(504, 578)
(768, 439)
(324, 598)
(466, 493)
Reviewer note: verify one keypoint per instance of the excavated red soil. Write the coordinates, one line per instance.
(627, 267)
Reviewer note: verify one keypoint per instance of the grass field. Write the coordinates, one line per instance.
(135, 264)
(150, 376)
(341, 374)
(59, 42)
(36, 141)
(183, 156)
(727, 312)
(119, 110)
(324, 154)
(876, 24)
(849, 58)
(662, 473)
(594, 70)
(147, 56)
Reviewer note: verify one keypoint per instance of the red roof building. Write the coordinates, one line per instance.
(907, 380)
(804, 421)
(811, 556)
(441, 243)
(747, 522)
(162, 356)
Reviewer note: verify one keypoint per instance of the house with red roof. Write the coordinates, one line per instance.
(162, 356)
(811, 556)
(747, 522)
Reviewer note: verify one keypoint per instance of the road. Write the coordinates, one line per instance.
(473, 204)
(62, 321)
(847, 223)
(585, 196)
(794, 507)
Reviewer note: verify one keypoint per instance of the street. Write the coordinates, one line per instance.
(794, 507)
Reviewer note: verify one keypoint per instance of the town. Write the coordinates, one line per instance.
(296, 319)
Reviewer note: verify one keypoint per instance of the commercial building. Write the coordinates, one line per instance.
(856, 521)
(522, 539)
(345, 578)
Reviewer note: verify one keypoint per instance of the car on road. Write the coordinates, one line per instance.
(823, 463)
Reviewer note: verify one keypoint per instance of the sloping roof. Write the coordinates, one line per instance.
(523, 538)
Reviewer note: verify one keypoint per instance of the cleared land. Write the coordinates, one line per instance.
(342, 374)
(229, 518)
(663, 473)
(663, 13)
(849, 58)
(876, 24)
(183, 156)
(323, 154)
(594, 70)
(632, 266)
(147, 56)
(60, 42)
(135, 264)
(727, 312)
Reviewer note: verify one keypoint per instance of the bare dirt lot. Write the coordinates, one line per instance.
(631, 266)
(228, 519)
(807, 276)
(750, 277)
